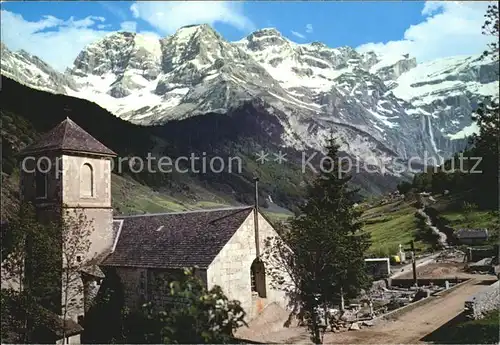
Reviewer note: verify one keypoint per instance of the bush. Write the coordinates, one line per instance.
(484, 331)
(195, 316)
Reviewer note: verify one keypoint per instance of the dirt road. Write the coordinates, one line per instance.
(400, 271)
(409, 328)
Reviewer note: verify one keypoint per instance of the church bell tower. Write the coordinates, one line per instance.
(68, 171)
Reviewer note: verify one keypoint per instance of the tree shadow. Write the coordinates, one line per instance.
(444, 334)
(485, 282)
(461, 330)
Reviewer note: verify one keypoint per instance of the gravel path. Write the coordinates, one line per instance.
(408, 328)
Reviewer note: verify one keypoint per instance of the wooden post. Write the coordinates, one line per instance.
(342, 302)
(414, 263)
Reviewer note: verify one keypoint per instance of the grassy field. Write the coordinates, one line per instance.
(131, 197)
(276, 216)
(453, 211)
(390, 225)
(476, 219)
(395, 223)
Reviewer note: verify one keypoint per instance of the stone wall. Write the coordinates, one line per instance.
(72, 297)
(71, 180)
(142, 285)
(133, 292)
(483, 302)
(476, 254)
(231, 268)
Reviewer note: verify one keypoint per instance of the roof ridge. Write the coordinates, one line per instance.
(229, 215)
(65, 129)
(183, 212)
(68, 136)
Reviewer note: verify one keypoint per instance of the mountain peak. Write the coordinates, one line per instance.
(186, 33)
(117, 35)
(117, 52)
(263, 39)
(371, 100)
(266, 32)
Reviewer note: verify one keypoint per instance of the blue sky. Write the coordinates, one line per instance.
(425, 30)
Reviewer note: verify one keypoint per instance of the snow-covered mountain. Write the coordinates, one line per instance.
(380, 107)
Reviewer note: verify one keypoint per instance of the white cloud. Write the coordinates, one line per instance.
(58, 46)
(308, 29)
(167, 17)
(103, 26)
(449, 28)
(298, 34)
(129, 26)
(115, 10)
(135, 10)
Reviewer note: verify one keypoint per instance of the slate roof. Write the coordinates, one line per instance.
(93, 270)
(175, 240)
(57, 325)
(472, 233)
(68, 136)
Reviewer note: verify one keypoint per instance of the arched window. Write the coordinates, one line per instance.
(258, 278)
(86, 181)
(41, 180)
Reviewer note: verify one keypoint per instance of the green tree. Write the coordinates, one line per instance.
(486, 142)
(440, 181)
(467, 210)
(404, 187)
(74, 230)
(30, 270)
(43, 266)
(491, 28)
(324, 248)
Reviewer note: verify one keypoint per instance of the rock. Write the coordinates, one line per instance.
(354, 327)
(367, 323)
(348, 316)
(422, 293)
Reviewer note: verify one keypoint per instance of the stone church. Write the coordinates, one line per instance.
(68, 169)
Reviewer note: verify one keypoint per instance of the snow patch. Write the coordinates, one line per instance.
(465, 132)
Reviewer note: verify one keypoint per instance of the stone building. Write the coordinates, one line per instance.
(68, 169)
(220, 242)
(472, 236)
(67, 172)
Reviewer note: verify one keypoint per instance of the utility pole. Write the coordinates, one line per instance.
(256, 217)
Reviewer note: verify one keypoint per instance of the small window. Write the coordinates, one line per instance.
(87, 181)
(258, 278)
(142, 281)
(80, 319)
(41, 180)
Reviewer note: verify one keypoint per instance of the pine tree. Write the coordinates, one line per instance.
(327, 247)
(486, 143)
(491, 27)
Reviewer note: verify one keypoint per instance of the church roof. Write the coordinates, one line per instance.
(175, 240)
(68, 136)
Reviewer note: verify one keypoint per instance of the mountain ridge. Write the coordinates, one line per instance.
(378, 107)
